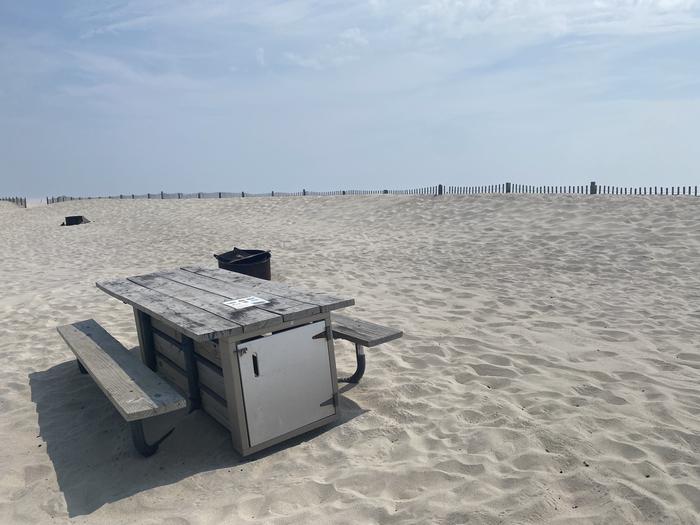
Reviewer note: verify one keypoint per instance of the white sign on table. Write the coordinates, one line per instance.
(245, 302)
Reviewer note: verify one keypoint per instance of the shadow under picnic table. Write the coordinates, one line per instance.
(91, 449)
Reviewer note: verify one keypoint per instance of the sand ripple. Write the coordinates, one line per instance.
(549, 373)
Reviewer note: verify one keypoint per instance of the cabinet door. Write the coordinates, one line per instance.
(286, 379)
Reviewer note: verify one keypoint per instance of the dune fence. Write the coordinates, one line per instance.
(588, 189)
(19, 201)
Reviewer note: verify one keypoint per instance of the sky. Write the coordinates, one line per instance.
(109, 97)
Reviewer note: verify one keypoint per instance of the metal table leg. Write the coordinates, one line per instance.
(192, 373)
(139, 439)
(145, 333)
(360, 371)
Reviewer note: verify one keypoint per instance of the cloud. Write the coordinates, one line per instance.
(260, 56)
(459, 18)
(380, 89)
(305, 62)
(346, 47)
(354, 36)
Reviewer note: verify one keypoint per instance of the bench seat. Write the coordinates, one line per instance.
(363, 334)
(135, 390)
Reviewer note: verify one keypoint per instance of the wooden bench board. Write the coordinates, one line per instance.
(135, 390)
(362, 332)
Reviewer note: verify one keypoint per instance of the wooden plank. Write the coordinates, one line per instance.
(209, 375)
(215, 409)
(196, 323)
(134, 390)
(211, 405)
(166, 329)
(172, 373)
(207, 349)
(248, 319)
(169, 350)
(289, 309)
(324, 301)
(212, 378)
(362, 332)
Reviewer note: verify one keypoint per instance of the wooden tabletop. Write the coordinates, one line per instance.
(191, 300)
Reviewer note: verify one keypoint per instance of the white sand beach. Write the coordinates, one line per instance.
(549, 371)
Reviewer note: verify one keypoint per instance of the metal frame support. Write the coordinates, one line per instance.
(139, 439)
(360, 371)
(192, 373)
(145, 331)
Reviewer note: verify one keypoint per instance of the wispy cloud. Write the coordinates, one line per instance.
(381, 88)
(348, 46)
(260, 56)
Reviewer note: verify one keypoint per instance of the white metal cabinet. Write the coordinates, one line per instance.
(286, 381)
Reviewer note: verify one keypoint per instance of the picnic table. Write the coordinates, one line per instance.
(265, 371)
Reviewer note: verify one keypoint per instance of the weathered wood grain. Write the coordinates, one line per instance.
(248, 319)
(211, 404)
(211, 378)
(289, 309)
(134, 390)
(324, 301)
(207, 349)
(196, 323)
(209, 375)
(166, 329)
(215, 408)
(362, 332)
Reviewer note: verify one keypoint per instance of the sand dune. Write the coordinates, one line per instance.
(550, 371)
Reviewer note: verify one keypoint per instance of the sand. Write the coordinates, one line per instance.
(549, 372)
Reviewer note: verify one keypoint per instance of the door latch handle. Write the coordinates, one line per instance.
(256, 369)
